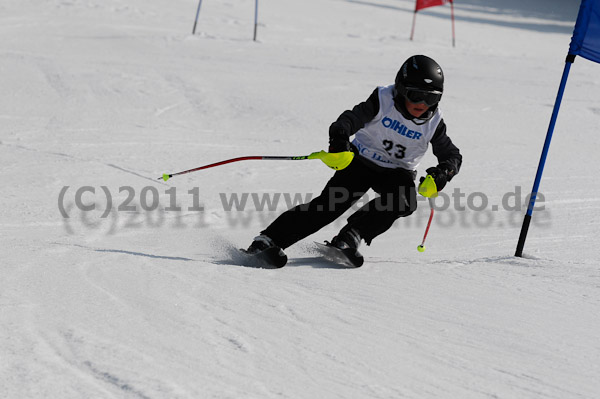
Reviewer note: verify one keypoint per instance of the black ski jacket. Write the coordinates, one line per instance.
(351, 121)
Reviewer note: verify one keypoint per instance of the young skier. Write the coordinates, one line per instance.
(392, 130)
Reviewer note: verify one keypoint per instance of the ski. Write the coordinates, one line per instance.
(346, 257)
(270, 258)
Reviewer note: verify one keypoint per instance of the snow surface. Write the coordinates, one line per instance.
(117, 303)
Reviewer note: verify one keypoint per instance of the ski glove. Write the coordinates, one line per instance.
(338, 140)
(339, 145)
(440, 176)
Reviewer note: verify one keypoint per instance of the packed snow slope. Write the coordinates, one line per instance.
(117, 285)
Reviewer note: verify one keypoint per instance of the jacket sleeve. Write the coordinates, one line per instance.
(447, 153)
(351, 121)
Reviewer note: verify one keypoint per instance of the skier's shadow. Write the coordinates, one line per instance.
(316, 262)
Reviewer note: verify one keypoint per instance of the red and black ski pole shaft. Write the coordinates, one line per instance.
(166, 176)
(421, 248)
(337, 161)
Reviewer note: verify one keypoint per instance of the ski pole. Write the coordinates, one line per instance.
(421, 248)
(337, 161)
(427, 189)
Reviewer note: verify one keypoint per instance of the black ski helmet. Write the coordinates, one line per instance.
(420, 79)
(420, 72)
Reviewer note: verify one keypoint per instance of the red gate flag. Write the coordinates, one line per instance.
(421, 4)
(586, 36)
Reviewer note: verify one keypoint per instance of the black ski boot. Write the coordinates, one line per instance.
(260, 243)
(266, 252)
(348, 241)
(347, 238)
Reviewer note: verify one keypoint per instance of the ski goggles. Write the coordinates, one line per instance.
(416, 96)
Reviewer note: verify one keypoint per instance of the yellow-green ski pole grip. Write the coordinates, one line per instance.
(428, 187)
(335, 160)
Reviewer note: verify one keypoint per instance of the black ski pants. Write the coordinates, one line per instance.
(397, 198)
